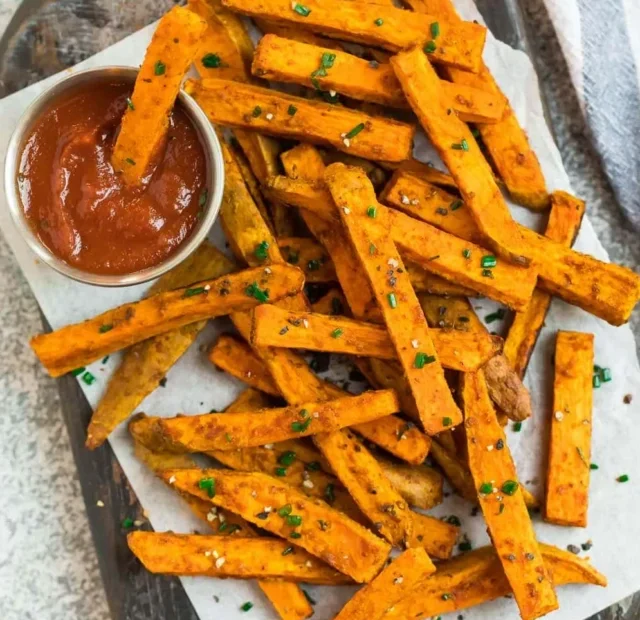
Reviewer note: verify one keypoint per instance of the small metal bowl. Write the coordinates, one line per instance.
(215, 181)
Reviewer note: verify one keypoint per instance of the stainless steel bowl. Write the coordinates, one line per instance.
(215, 181)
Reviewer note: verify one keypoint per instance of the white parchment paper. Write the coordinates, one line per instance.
(193, 386)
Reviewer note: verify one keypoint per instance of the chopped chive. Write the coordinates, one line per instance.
(463, 145)
(285, 510)
(393, 302)
(517, 427)
(313, 466)
(130, 161)
(623, 478)
(293, 257)
(501, 509)
(234, 527)
(295, 535)
(487, 273)
(488, 261)
(288, 551)
(198, 290)
(88, 378)
(253, 290)
(355, 131)
(223, 527)
(208, 485)
(466, 253)
(159, 68)
(379, 21)
(314, 264)
(294, 520)
(435, 30)
(301, 9)
(281, 471)
(422, 359)
(303, 413)
(336, 333)
(453, 520)
(211, 61)
(130, 104)
(447, 421)
(372, 212)
(329, 494)
(597, 382)
(498, 315)
(105, 359)
(327, 60)
(509, 487)
(308, 597)
(430, 47)
(486, 488)
(105, 328)
(300, 427)
(287, 458)
(593, 466)
(456, 204)
(263, 516)
(372, 249)
(228, 437)
(127, 523)
(291, 110)
(78, 371)
(605, 375)
(246, 606)
(261, 252)
(257, 111)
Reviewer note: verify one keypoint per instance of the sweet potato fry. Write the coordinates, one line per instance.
(606, 290)
(564, 222)
(386, 509)
(389, 587)
(238, 359)
(243, 558)
(461, 154)
(458, 45)
(506, 142)
(477, 577)
(276, 327)
(303, 162)
(260, 109)
(285, 60)
(420, 243)
(175, 44)
(567, 489)
(228, 431)
(146, 363)
(420, 486)
(376, 173)
(425, 282)
(309, 256)
(82, 343)
(502, 504)
(354, 196)
(343, 543)
(437, 537)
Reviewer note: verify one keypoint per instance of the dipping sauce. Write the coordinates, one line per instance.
(77, 203)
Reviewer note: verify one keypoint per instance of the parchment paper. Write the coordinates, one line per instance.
(193, 386)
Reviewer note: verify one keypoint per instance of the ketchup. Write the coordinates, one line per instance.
(77, 203)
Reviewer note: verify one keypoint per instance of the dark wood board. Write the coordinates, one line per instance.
(43, 38)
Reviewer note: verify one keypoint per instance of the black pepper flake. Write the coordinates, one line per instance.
(263, 515)
(586, 546)
(284, 330)
(530, 556)
(511, 557)
(442, 211)
(499, 444)
(163, 382)
(573, 549)
(389, 509)
(627, 399)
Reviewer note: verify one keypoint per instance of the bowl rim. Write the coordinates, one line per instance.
(211, 208)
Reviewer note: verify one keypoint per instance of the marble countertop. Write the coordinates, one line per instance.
(48, 568)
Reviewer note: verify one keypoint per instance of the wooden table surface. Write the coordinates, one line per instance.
(35, 45)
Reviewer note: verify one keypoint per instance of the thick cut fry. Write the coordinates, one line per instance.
(386, 509)
(458, 45)
(225, 49)
(506, 141)
(244, 558)
(564, 222)
(389, 587)
(354, 196)
(228, 431)
(437, 537)
(502, 503)
(260, 109)
(276, 327)
(175, 44)
(606, 290)
(477, 577)
(309, 256)
(461, 154)
(76, 345)
(376, 173)
(303, 162)
(567, 489)
(238, 359)
(343, 543)
(146, 363)
(421, 243)
(420, 485)
(285, 60)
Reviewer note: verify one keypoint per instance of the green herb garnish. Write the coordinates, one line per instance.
(291, 110)
(294, 520)
(159, 68)
(253, 290)
(88, 378)
(287, 458)
(355, 131)
(105, 328)
(246, 606)
(281, 471)
(261, 252)
(191, 292)
(285, 510)
(430, 47)
(127, 523)
(300, 9)
(422, 359)
(393, 302)
(208, 485)
(486, 488)
(372, 212)
(379, 21)
(623, 478)
(211, 61)
(300, 427)
(447, 421)
(435, 30)
(336, 333)
(130, 161)
(488, 262)
(510, 487)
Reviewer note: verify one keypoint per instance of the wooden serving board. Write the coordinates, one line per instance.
(42, 39)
